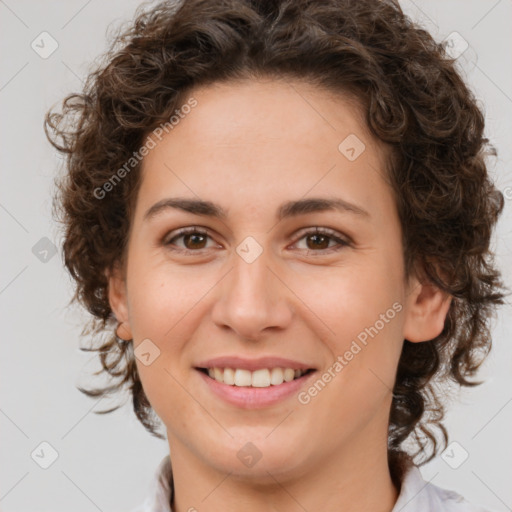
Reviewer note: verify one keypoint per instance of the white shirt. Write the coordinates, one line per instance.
(416, 495)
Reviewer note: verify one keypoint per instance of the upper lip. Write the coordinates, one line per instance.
(253, 364)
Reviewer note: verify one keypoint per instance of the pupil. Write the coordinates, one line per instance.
(193, 236)
(321, 237)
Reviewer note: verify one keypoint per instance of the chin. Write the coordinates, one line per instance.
(260, 458)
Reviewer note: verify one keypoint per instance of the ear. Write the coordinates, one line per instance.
(426, 310)
(118, 301)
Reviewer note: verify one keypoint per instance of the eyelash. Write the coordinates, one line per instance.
(333, 235)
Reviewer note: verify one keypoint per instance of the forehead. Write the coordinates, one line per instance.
(252, 141)
(272, 110)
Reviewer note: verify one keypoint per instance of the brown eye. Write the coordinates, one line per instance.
(318, 240)
(194, 239)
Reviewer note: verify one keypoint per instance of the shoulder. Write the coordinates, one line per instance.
(418, 495)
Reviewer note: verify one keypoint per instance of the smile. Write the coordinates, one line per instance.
(262, 378)
(246, 395)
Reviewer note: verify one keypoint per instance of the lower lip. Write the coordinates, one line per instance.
(254, 398)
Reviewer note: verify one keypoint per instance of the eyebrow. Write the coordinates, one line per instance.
(286, 210)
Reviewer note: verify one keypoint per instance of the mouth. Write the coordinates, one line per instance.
(254, 383)
(260, 378)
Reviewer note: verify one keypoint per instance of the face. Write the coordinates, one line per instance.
(274, 280)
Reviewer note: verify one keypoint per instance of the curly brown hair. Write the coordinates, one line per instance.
(413, 99)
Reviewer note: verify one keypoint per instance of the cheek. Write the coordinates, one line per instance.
(163, 310)
(364, 313)
(372, 342)
(160, 298)
(352, 298)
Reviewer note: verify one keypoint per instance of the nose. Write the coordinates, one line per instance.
(252, 300)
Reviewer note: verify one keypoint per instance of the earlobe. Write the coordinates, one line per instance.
(118, 301)
(427, 307)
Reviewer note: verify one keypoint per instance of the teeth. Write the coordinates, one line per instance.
(276, 376)
(229, 377)
(263, 378)
(260, 378)
(242, 377)
(289, 374)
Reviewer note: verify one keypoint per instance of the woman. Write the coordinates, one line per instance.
(280, 213)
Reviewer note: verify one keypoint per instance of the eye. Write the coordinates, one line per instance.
(194, 239)
(320, 239)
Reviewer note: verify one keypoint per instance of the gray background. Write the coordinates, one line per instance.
(106, 462)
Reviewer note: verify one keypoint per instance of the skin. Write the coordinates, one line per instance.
(249, 146)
